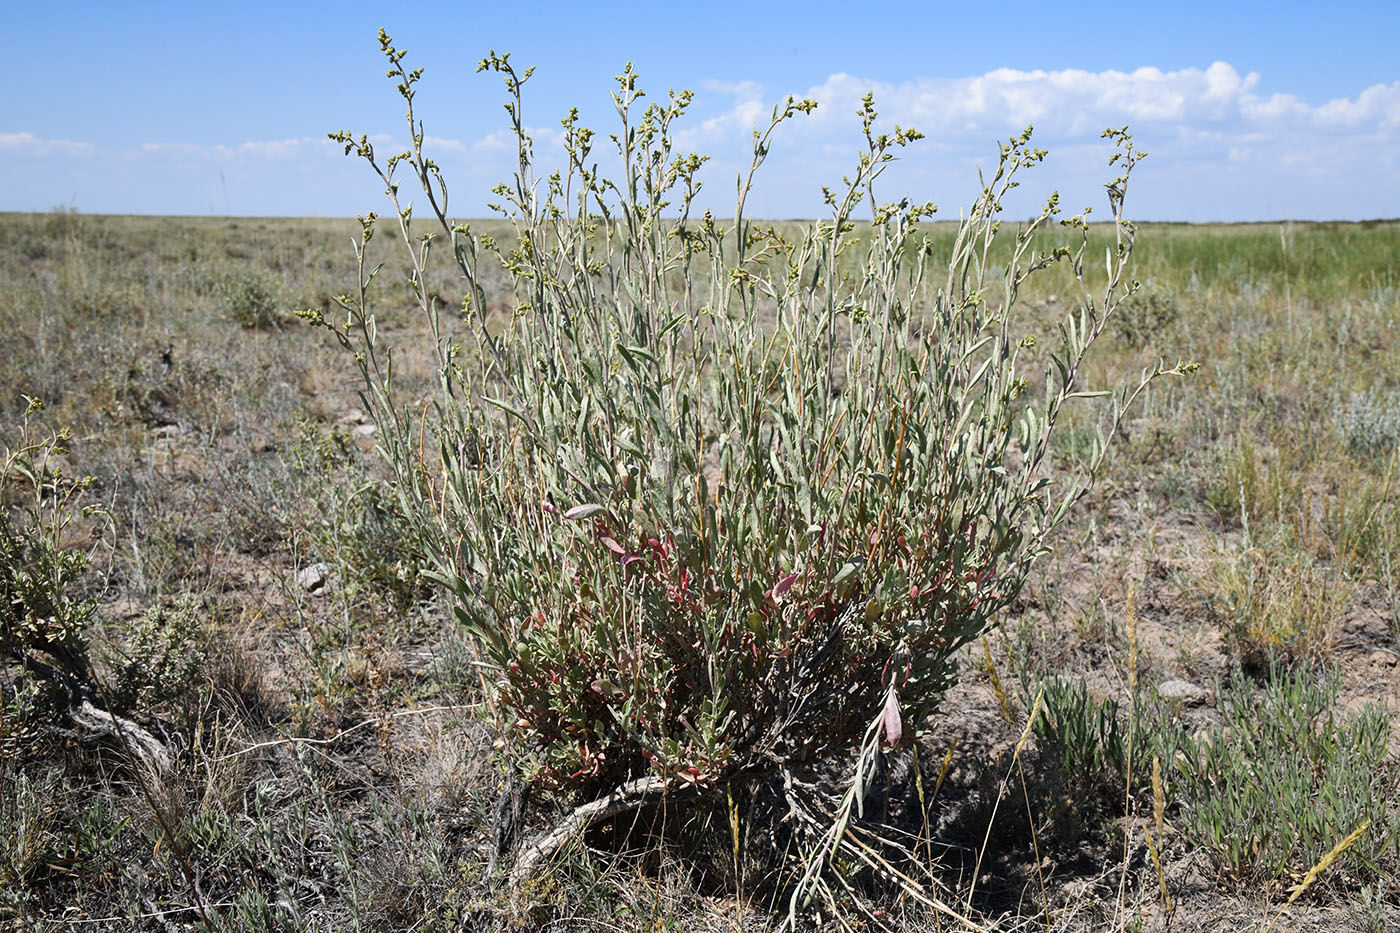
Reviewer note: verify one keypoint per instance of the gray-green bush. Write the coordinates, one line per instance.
(1096, 745)
(46, 545)
(252, 298)
(717, 500)
(1369, 423)
(1282, 780)
(1146, 315)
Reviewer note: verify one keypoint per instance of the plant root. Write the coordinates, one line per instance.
(632, 795)
(141, 744)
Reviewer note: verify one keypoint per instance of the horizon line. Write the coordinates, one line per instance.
(63, 210)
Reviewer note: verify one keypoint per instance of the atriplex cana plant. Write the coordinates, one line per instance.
(710, 497)
(45, 550)
(48, 538)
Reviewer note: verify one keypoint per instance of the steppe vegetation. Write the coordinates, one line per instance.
(237, 694)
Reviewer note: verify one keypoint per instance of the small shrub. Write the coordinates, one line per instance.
(1097, 757)
(163, 651)
(1369, 423)
(1352, 527)
(46, 539)
(159, 389)
(1264, 794)
(356, 523)
(1254, 485)
(1145, 315)
(27, 832)
(117, 300)
(1095, 745)
(25, 710)
(1280, 781)
(1373, 911)
(252, 298)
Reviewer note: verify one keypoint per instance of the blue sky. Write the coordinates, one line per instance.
(1250, 111)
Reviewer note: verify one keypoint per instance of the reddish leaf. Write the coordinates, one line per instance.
(780, 589)
(613, 546)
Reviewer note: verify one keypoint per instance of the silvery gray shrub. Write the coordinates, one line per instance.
(712, 497)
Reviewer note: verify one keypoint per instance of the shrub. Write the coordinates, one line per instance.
(46, 536)
(162, 653)
(1369, 423)
(47, 601)
(252, 299)
(1145, 315)
(1280, 781)
(715, 498)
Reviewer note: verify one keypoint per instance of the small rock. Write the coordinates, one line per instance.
(313, 579)
(1182, 692)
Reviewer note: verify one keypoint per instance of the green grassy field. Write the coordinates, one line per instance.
(1214, 640)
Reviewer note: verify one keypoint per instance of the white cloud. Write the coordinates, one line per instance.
(279, 150)
(296, 149)
(495, 141)
(1377, 107)
(439, 144)
(743, 116)
(1073, 102)
(27, 143)
(1207, 120)
(1221, 146)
